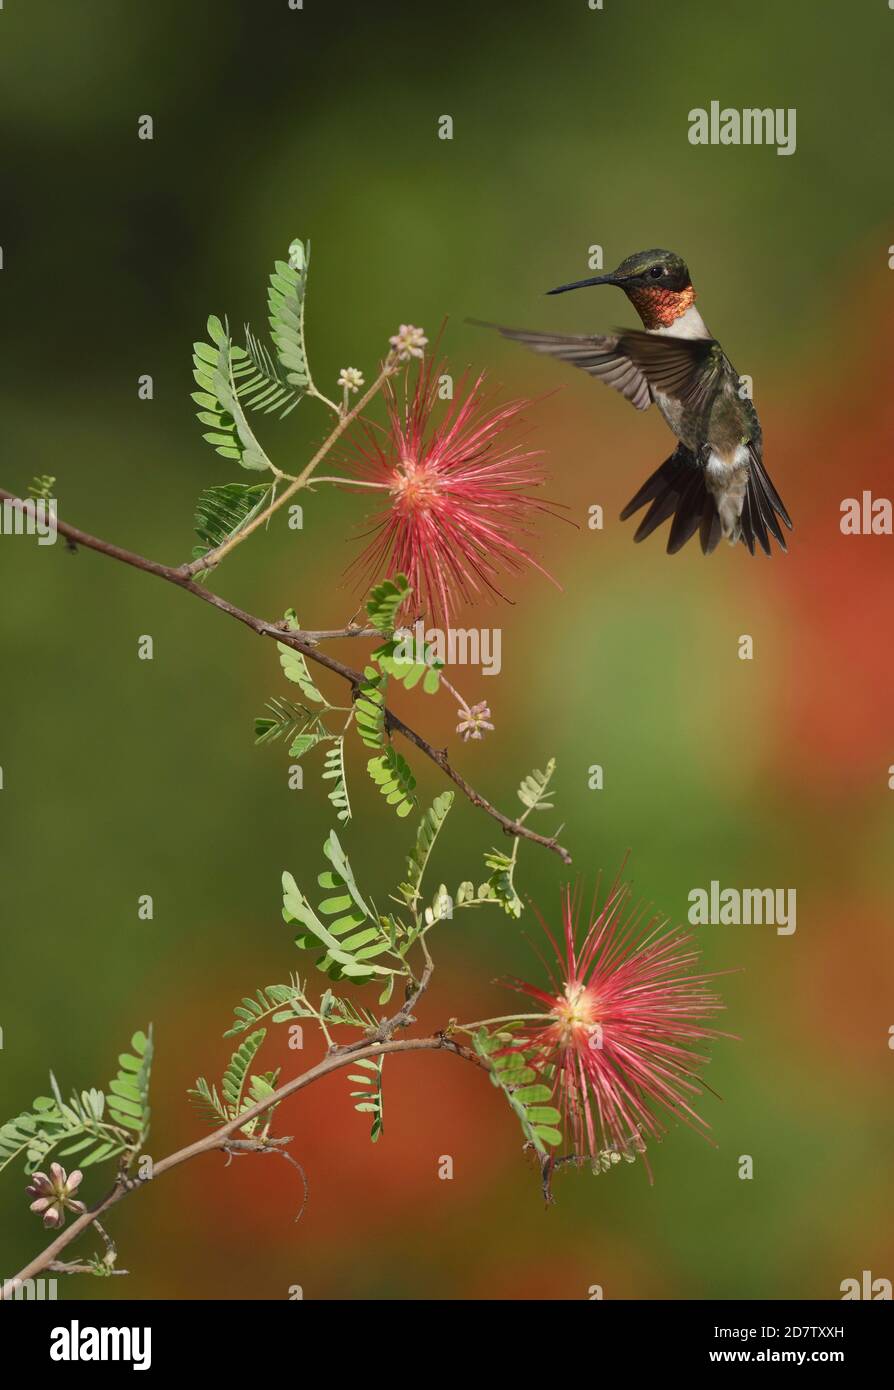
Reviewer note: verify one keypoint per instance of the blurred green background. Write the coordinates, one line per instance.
(123, 777)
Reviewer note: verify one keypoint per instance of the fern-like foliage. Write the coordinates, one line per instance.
(398, 658)
(41, 486)
(294, 664)
(369, 707)
(285, 302)
(533, 790)
(385, 601)
(228, 430)
(128, 1099)
(391, 774)
(303, 742)
(222, 512)
(261, 1085)
(500, 887)
(207, 1099)
(512, 1074)
(353, 936)
(281, 1003)
(261, 382)
(334, 772)
(282, 720)
(426, 835)
(87, 1123)
(369, 1099)
(240, 1089)
(236, 1074)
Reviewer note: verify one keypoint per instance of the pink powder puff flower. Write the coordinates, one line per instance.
(457, 511)
(623, 1032)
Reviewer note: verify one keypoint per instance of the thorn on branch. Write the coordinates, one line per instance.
(238, 1148)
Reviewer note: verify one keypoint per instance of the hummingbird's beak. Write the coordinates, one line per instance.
(610, 279)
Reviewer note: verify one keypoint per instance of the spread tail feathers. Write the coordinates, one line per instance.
(679, 489)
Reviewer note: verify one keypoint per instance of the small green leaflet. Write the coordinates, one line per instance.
(334, 771)
(391, 774)
(285, 301)
(240, 1089)
(397, 658)
(532, 791)
(282, 718)
(229, 431)
(354, 937)
(260, 382)
(294, 664)
(417, 859)
(385, 600)
(282, 1003)
(369, 707)
(129, 1092)
(369, 1100)
(221, 512)
(517, 1079)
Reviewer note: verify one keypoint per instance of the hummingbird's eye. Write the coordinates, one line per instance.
(656, 272)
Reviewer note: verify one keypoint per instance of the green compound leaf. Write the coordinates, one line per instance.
(532, 792)
(261, 382)
(369, 707)
(369, 1100)
(285, 301)
(512, 1074)
(500, 887)
(353, 937)
(417, 859)
(217, 398)
(391, 774)
(282, 720)
(222, 512)
(398, 658)
(302, 743)
(334, 772)
(294, 664)
(129, 1091)
(236, 1074)
(208, 1100)
(385, 600)
(283, 1002)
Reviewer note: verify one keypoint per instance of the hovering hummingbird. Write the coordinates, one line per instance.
(715, 481)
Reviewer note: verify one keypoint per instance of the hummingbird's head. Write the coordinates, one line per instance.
(656, 282)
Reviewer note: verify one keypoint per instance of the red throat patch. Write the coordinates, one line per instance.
(659, 308)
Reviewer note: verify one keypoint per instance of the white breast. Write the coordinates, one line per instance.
(689, 325)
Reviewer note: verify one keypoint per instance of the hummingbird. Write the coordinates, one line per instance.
(715, 481)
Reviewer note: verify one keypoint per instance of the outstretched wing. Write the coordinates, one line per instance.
(599, 355)
(635, 363)
(686, 369)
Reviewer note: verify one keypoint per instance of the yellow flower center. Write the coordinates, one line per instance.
(575, 1013)
(414, 485)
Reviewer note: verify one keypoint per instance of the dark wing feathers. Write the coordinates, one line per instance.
(634, 363)
(596, 354)
(639, 364)
(673, 366)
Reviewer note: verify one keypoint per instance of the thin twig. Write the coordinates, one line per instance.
(221, 1139)
(304, 642)
(213, 557)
